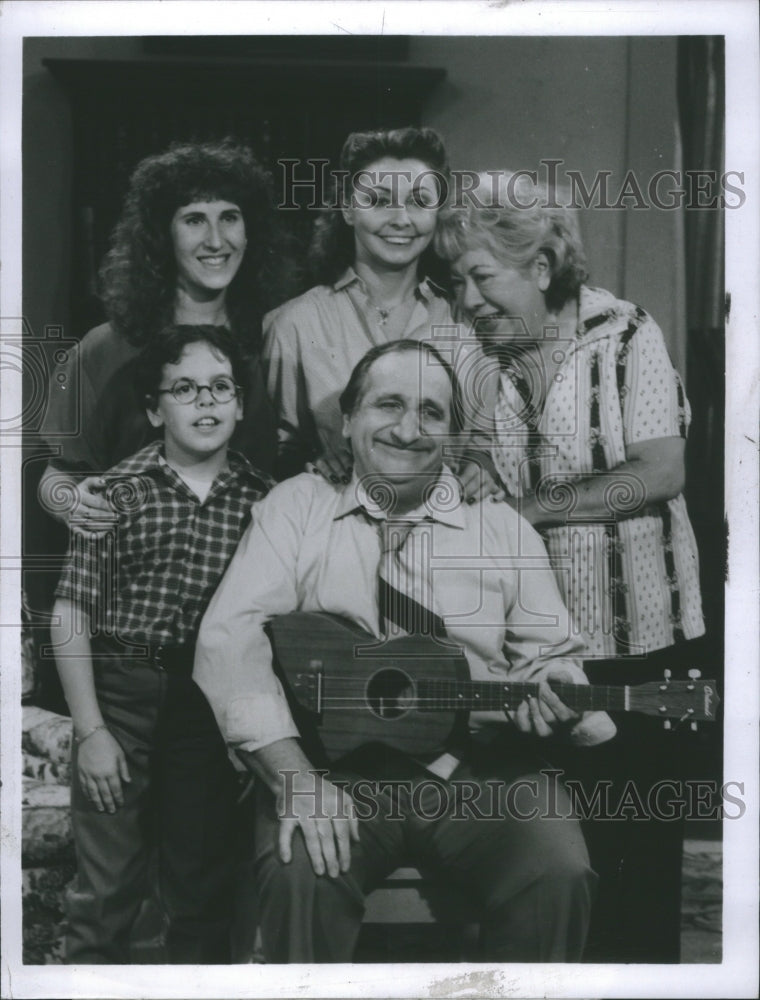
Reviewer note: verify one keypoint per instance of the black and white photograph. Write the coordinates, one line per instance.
(379, 447)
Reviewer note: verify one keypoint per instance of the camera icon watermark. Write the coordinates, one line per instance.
(33, 369)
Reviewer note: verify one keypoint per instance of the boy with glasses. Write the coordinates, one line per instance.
(150, 769)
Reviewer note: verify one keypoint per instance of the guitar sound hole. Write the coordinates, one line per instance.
(390, 694)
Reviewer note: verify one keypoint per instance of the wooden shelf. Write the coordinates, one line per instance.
(225, 74)
(292, 107)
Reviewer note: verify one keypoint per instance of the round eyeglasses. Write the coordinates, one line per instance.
(186, 390)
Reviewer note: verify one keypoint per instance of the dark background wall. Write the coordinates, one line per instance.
(595, 103)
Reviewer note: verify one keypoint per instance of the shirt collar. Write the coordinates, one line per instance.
(239, 464)
(599, 314)
(145, 460)
(426, 288)
(444, 504)
(151, 457)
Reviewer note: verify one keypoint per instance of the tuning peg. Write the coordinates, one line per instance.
(666, 724)
(694, 675)
(694, 726)
(667, 674)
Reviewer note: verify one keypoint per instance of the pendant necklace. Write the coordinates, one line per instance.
(385, 312)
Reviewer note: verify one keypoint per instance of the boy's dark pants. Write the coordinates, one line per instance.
(181, 798)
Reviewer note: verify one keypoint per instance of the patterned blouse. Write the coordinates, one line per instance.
(631, 584)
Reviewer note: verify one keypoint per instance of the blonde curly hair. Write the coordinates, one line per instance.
(514, 217)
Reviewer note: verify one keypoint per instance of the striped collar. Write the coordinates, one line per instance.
(599, 314)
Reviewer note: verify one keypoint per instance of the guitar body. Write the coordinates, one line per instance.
(346, 688)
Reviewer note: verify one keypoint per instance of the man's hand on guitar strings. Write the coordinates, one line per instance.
(327, 819)
(542, 715)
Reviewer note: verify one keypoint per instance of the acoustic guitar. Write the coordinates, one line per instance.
(347, 688)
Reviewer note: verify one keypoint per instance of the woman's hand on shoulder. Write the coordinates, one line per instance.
(479, 480)
(93, 513)
(336, 468)
(79, 503)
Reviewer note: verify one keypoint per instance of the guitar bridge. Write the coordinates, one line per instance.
(309, 687)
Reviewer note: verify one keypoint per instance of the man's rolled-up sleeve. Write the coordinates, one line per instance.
(233, 661)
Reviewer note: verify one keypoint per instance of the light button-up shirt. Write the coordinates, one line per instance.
(312, 547)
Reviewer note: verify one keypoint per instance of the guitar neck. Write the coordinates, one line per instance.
(411, 681)
(439, 695)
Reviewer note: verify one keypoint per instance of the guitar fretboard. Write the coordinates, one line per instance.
(484, 696)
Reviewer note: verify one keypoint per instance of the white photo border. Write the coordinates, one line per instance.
(737, 20)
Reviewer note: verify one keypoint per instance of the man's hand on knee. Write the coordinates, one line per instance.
(326, 817)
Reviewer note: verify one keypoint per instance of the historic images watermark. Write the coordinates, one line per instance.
(549, 795)
(310, 183)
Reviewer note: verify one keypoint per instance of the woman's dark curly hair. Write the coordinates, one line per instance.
(332, 244)
(139, 274)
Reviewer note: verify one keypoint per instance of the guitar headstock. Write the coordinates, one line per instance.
(684, 701)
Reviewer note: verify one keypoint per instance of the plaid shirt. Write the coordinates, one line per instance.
(150, 578)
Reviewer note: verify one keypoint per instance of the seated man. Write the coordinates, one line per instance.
(474, 575)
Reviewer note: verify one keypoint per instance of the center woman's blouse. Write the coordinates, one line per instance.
(311, 345)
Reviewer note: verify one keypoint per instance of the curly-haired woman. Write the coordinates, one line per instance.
(197, 243)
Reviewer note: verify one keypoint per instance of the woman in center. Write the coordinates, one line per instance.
(371, 255)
